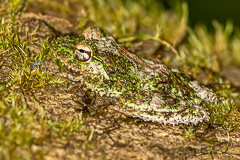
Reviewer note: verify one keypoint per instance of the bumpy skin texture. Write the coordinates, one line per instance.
(143, 89)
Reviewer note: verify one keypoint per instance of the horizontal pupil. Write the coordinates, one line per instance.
(81, 50)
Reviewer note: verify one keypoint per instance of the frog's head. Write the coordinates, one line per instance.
(92, 54)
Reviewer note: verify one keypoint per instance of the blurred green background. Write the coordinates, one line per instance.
(204, 11)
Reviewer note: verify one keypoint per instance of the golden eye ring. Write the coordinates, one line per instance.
(83, 53)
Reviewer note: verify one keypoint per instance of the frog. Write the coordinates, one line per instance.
(141, 88)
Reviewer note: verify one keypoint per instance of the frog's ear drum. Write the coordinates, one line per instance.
(83, 53)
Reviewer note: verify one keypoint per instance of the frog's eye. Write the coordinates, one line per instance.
(83, 53)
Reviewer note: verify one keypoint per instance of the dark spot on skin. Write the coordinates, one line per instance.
(89, 97)
(170, 100)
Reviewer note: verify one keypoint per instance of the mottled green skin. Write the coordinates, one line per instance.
(156, 95)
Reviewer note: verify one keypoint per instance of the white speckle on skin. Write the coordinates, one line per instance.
(98, 69)
(202, 91)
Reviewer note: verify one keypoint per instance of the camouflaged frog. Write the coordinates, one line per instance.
(142, 88)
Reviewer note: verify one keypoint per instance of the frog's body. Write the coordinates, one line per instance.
(143, 88)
